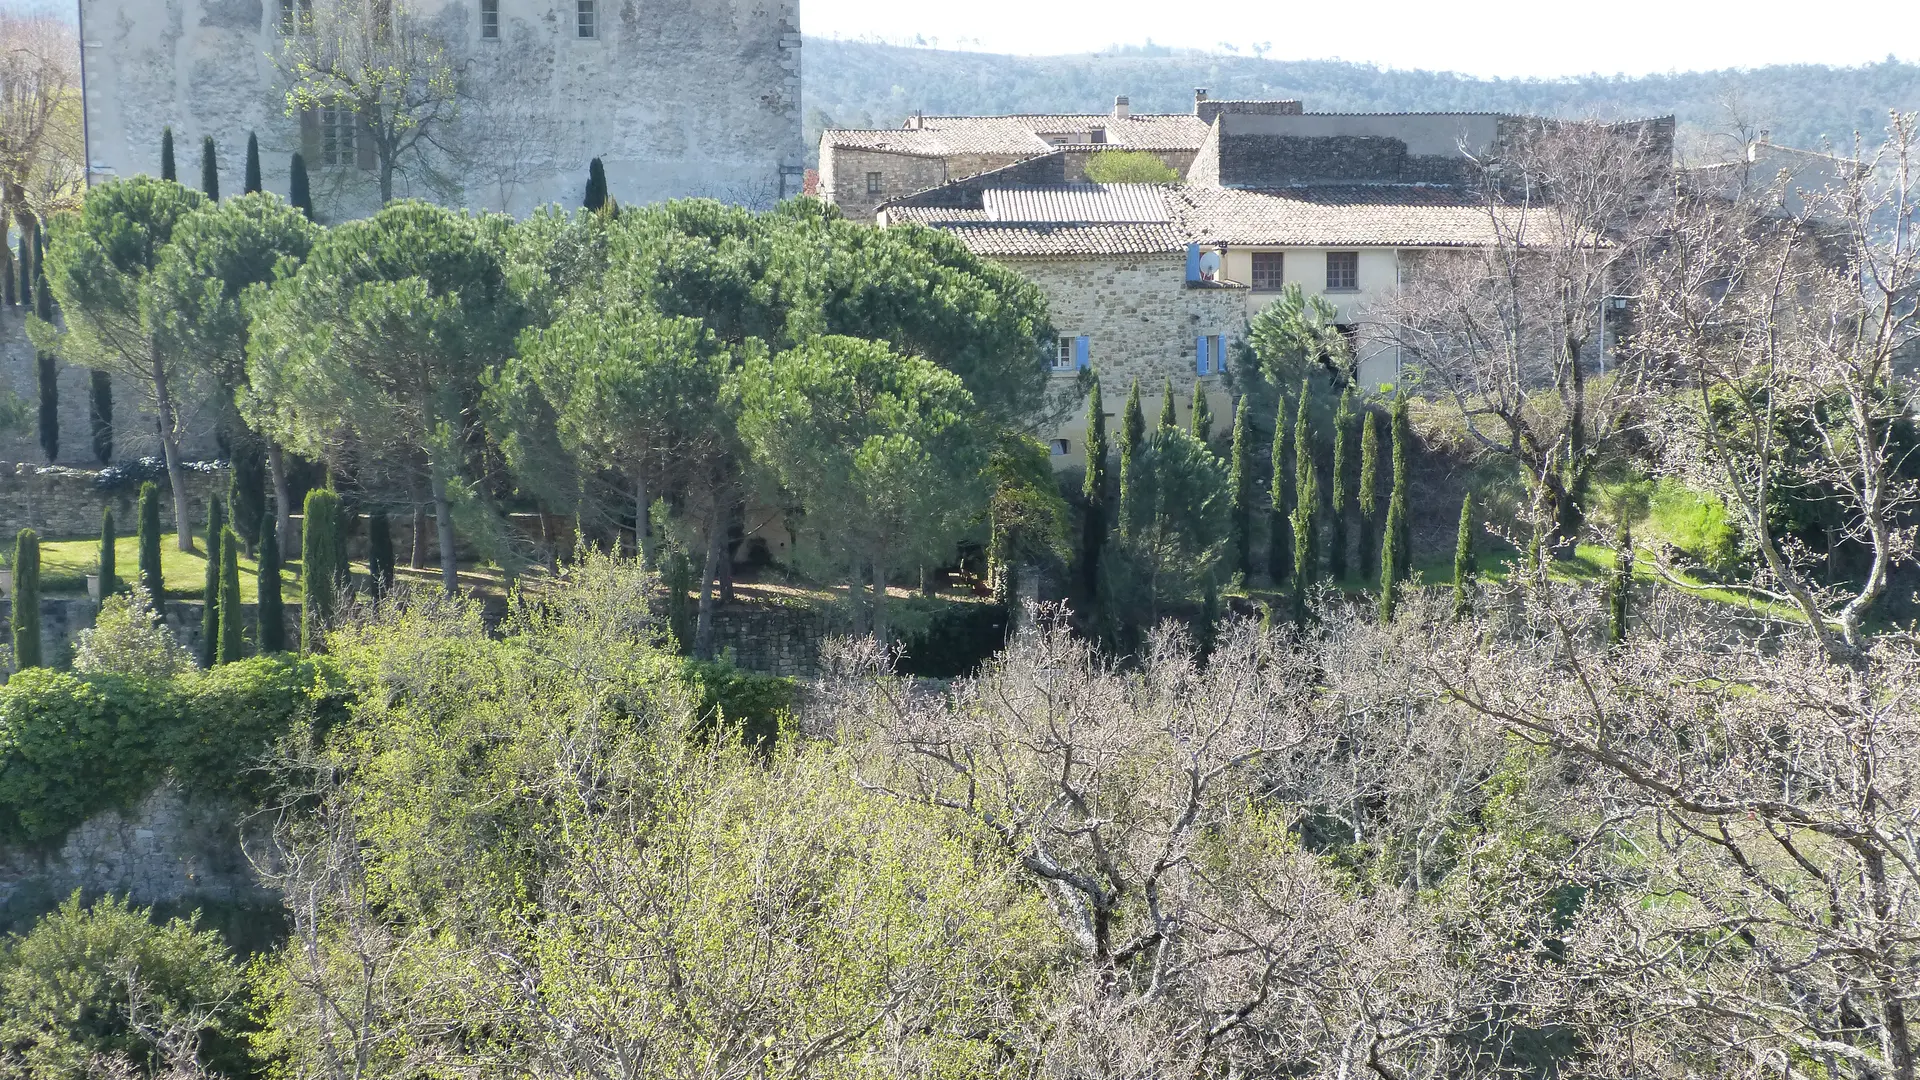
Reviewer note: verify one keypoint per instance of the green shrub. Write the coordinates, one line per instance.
(1129, 167)
(757, 703)
(228, 718)
(72, 747)
(65, 991)
(127, 638)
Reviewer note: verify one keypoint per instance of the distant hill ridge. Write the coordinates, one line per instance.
(858, 84)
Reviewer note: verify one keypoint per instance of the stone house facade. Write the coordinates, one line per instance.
(677, 97)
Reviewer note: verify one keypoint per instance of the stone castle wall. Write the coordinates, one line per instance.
(677, 97)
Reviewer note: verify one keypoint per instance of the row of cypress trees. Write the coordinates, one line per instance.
(1295, 507)
(299, 190)
(324, 574)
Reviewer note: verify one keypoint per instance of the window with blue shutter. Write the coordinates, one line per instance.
(1082, 352)
(1200, 351)
(1220, 355)
(1193, 262)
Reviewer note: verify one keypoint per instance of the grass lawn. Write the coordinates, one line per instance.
(65, 564)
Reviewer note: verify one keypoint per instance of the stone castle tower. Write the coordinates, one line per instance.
(677, 97)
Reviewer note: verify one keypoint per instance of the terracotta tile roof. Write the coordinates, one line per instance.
(939, 136)
(1006, 240)
(1104, 203)
(1350, 215)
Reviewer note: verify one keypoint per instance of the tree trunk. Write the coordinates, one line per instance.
(282, 498)
(857, 597)
(417, 559)
(716, 544)
(170, 446)
(880, 601)
(443, 518)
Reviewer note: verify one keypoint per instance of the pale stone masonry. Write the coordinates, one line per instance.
(677, 97)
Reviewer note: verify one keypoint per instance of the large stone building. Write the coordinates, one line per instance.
(677, 97)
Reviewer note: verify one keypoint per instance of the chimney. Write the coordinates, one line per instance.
(1199, 95)
(1121, 108)
(917, 122)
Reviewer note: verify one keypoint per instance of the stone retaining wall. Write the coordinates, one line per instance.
(63, 617)
(63, 503)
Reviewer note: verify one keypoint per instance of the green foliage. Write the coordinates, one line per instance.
(68, 989)
(152, 577)
(1695, 523)
(1199, 414)
(224, 722)
(99, 264)
(1306, 508)
(1402, 523)
(167, 170)
(299, 191)
(100, 414)
(210, 593)
(884, 452)
(247, 491)
(757, 705)
(1168, 418)
(1466, 564)
(233, 641)
(1297, 335)
(1369, 487)
(1240, 487)
(47, 383)
(323, 567)
(1093, 489)
(380, 563)
(109, 537)
(1180, 521)
(26, 600)
(1133, 422)
(954, 642)
(1620, 583)
(1129, 167)
(253, 184)
(1279, 498)
(596, 199)
(1337, 511)
(71, 747)
(273, 615)
(209, 169)
(128, 638)
(1026, 514)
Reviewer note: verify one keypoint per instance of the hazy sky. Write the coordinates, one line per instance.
(1478, 37)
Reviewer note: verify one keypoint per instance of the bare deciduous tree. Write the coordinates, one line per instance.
(41, 145)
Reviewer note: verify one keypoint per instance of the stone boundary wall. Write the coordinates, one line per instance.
(773, 639)
(172, 846)
(63, 617)
(65, 504)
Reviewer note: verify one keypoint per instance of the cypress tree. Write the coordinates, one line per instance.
(1093, 536)
(1279, 497)
(252, 182)
(273, 617)
(1240, 492)
(1620, 585)
(596, 186)
(26, 600)
(299, 195)
(233, 644)
(109, 536)
(1402, 490)
(47, 381)
(380, 553)
(1133, 428)
(1466, 564)
(23, 259)
(1337, 513)
(320, 566)
(247, 492)
(167, 171)
(1306, 493)
(210, 592)
(209, 170)
(1369, 488)
(100, 414)
(1199, 414)
(149, 536)
(1168, 421)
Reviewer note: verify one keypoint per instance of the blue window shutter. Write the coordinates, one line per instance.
(1220, 355)
(1200, 354)
(1193, 262)
(1082, 352)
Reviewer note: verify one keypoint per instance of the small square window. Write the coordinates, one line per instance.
(588, 16)
(1269, 270)
(1343, 271)
(1063, 357)
(490, 20)
(873, 183)
(1061, 448)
